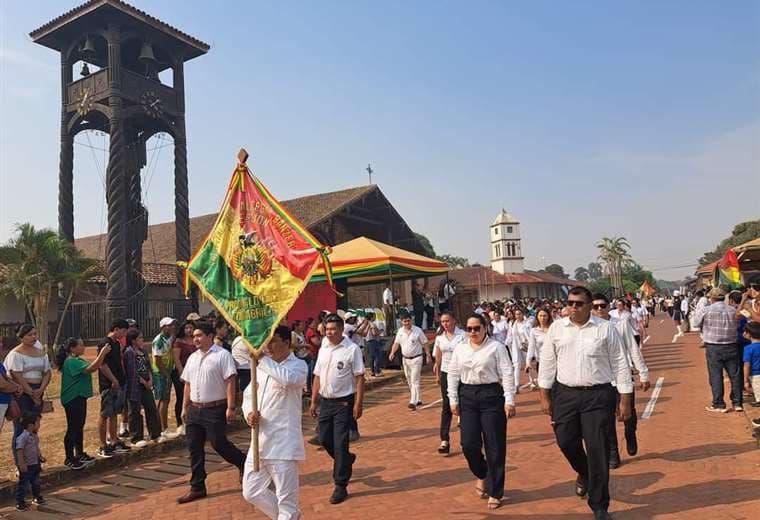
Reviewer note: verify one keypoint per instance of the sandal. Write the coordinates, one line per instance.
(494, 503)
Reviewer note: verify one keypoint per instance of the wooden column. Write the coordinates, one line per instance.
(117, 194)
(181, 197)
(66, 161)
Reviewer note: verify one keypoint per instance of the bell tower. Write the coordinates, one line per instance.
(125, 98)
(506, 250)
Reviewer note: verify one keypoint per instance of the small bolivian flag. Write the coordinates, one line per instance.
(256, 260)
(727, 271)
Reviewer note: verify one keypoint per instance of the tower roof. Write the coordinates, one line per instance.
(504, 218)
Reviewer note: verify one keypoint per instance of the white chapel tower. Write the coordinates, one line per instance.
(506, 251)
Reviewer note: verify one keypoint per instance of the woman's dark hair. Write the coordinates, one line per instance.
(64, 350)
(181, 334)
(219, 323)
(481, 319)
(132, 335)
(29, 417)
(295, 325)
(548, 313)
(24, 329)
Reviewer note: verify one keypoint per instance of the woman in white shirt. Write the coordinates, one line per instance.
(520, 334)
(500, 327)
(444, 346)
(30, 368)
(481, 389)
(535, 342)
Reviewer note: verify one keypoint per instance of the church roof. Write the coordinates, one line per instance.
(504, 217)
(473, 277)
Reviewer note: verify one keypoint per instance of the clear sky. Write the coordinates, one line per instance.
(583, 119)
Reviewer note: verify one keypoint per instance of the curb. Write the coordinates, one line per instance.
(60, 475)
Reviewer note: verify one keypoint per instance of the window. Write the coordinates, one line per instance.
(495, 231)
(497, 250)
(509, 229)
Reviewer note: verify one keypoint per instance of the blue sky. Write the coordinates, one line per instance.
(583, 119)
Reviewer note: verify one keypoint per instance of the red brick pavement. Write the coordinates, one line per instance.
(691, 464)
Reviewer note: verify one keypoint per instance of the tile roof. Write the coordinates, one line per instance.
(160, 246)
(124, 7)
(707, 269)
(154, 274)
(473, 276)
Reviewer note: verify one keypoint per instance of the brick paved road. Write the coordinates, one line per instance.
(691, 465)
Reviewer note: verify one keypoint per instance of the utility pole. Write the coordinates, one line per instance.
(370, 171)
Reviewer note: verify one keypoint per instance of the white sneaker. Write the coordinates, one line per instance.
(181, 430)
(169, 435)
(139, 444)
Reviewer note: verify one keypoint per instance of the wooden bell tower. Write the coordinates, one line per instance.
(125, 98)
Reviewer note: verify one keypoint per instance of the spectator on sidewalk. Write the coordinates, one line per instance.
(718, 324)
(209, 405)
(140, 391)
(8, 389)
(29, 461)
(111, 382)
(30, 368)
(181, 349)
(76, 388)
(163, 364)
(281, 378)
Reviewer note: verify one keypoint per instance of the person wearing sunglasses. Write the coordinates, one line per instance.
(601, 306)
(581, 357)
(481, 390)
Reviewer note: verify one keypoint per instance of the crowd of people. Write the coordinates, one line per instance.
(583, 355)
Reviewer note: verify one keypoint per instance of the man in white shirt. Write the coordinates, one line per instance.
(242, 357)
(389, 310)
(414, 345)
(208, 405)
(281, 378)
(339, 386)
(580, 358)
(635, 357)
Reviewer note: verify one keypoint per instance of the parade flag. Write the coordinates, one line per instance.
(256, 260)
(647, 289)
(727, 271)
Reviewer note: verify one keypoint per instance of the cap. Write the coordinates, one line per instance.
(348, 315)
(193, 316)
(131, 322)
(717, 293)
(166, 321)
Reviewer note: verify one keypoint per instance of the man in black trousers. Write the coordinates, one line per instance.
(208, 405)
(339, 386)
(580, 358)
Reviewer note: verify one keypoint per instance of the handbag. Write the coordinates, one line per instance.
(14, 410)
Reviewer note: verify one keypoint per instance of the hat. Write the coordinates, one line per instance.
(717, 293)
(166, 321)
(193, 316)
(131, 322)
(348, 315)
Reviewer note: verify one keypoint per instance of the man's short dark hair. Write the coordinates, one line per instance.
(600, 296)
(404, 315)
(205, 327)
(334, 318)
(753, 329)
(283, 332)
(578, 290)
(735, 297)
(118, 324)
(29, 417)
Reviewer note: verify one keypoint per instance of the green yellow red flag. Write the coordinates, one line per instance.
(727, 271)
(647, 289)
(256, 260)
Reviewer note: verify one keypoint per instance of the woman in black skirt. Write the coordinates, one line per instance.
(481, 385)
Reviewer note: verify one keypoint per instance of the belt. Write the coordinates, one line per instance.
(412, 357)
(212, 404)
(344, 398)
(589, 387)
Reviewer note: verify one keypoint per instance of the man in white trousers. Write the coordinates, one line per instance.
(281, 378)
(413, 344)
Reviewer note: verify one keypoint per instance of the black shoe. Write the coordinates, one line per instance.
(614, 460)
(120, 447)
(124, 434)
(581, 488)
(602, 515)
(339, 494)
(353, 435)
(632, 446)
(38, 501)
(444, 448)
(86, 459)
(194, 494)
(105, 452)
(75, 464)
(314, 441)
(419, 403)
(22, 506)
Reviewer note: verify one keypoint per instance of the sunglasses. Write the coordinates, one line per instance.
(576, 303)
(473, 329)
(598, 306)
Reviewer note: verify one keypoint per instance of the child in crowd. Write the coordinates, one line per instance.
(29, 460)
(751, 360)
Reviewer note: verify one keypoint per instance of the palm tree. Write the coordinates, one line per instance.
(581, 273)
(39, 264)
(614, 254)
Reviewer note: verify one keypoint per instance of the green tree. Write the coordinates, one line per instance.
(39, 264)
(427, 247)
(595, 270)
(743, 232)
(455, 262)
(614, 254)
(556, 270)
(581, 273)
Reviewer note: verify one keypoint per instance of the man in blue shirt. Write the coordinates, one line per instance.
(751, 360)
